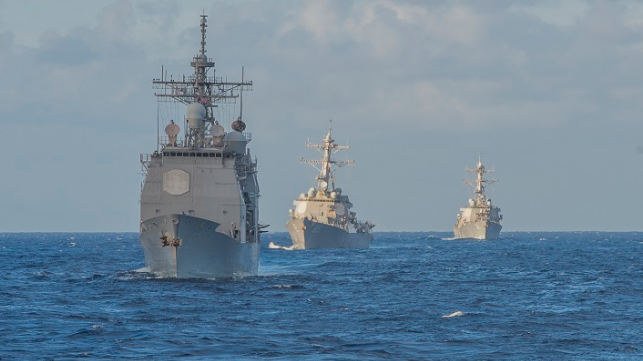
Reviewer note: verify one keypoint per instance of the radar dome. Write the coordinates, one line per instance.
(172, 130)
(235, 137)
(236, 142)
(311, 192)
(195, 113)
(217, 130)
(238, 125)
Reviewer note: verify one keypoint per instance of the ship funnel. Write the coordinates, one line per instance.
(195, 114)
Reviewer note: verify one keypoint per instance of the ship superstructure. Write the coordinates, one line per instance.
(322, 217)
(480, 219)
(199, 199)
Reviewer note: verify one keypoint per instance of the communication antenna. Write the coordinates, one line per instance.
(241, 97)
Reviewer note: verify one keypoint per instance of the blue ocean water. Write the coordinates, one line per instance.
(411, 296)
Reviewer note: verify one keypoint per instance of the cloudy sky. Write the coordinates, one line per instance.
(548, 92)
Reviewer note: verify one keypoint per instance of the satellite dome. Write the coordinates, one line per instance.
(236, 142)
(201, 59)
(217, 130)
(235, 137)
(195, 113)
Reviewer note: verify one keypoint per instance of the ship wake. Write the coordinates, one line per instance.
(454, 314)
(272, 245)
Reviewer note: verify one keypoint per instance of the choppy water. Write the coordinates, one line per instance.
(411, 296)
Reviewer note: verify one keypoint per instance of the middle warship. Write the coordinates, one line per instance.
(322, 217)
(479, 219)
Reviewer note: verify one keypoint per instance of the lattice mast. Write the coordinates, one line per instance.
(209, 91)
(325, 165)
(480, 192)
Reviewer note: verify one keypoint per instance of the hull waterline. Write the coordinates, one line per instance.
(306, 234)
(182, 246)
(478, 230)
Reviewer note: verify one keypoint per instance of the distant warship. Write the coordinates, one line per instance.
(322, 217)
(479, 219)
(199, 198)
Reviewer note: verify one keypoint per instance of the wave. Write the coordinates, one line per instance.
(454, 314)
(271, 245)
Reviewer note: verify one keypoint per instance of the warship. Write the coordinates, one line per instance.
(322, 217)
(479, 219)
(199, 197)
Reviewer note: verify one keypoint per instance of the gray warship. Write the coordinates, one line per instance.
(322, 217)
(479, 219)
(199, 198)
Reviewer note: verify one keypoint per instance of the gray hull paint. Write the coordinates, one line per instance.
(307, 234)
(201, 253)
(478, 230)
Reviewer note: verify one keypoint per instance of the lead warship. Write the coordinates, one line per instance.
(479, 219)
(199, 197)
(322, 217)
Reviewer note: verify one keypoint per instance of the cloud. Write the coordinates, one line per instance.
(116, 21)
(423, 81)
(319, 17)
(67, 51)
(453, 62)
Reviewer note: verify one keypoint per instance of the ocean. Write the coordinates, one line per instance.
(411, 296)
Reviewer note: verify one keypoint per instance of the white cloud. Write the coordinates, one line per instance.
(558, 13)
(413, 85)
(115, 21)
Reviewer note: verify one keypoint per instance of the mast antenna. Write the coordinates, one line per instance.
(203, 25)
(327, 148)
(241, 97)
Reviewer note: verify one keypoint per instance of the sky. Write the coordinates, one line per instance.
(547, 92)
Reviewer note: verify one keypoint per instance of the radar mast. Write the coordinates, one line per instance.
(200, 92)
(327, 148)
(479, 192)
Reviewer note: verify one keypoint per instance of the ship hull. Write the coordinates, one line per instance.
(193, 249)
(478, 230)
(306, 234)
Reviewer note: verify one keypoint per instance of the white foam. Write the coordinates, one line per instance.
(271, 245)
(454, 314)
